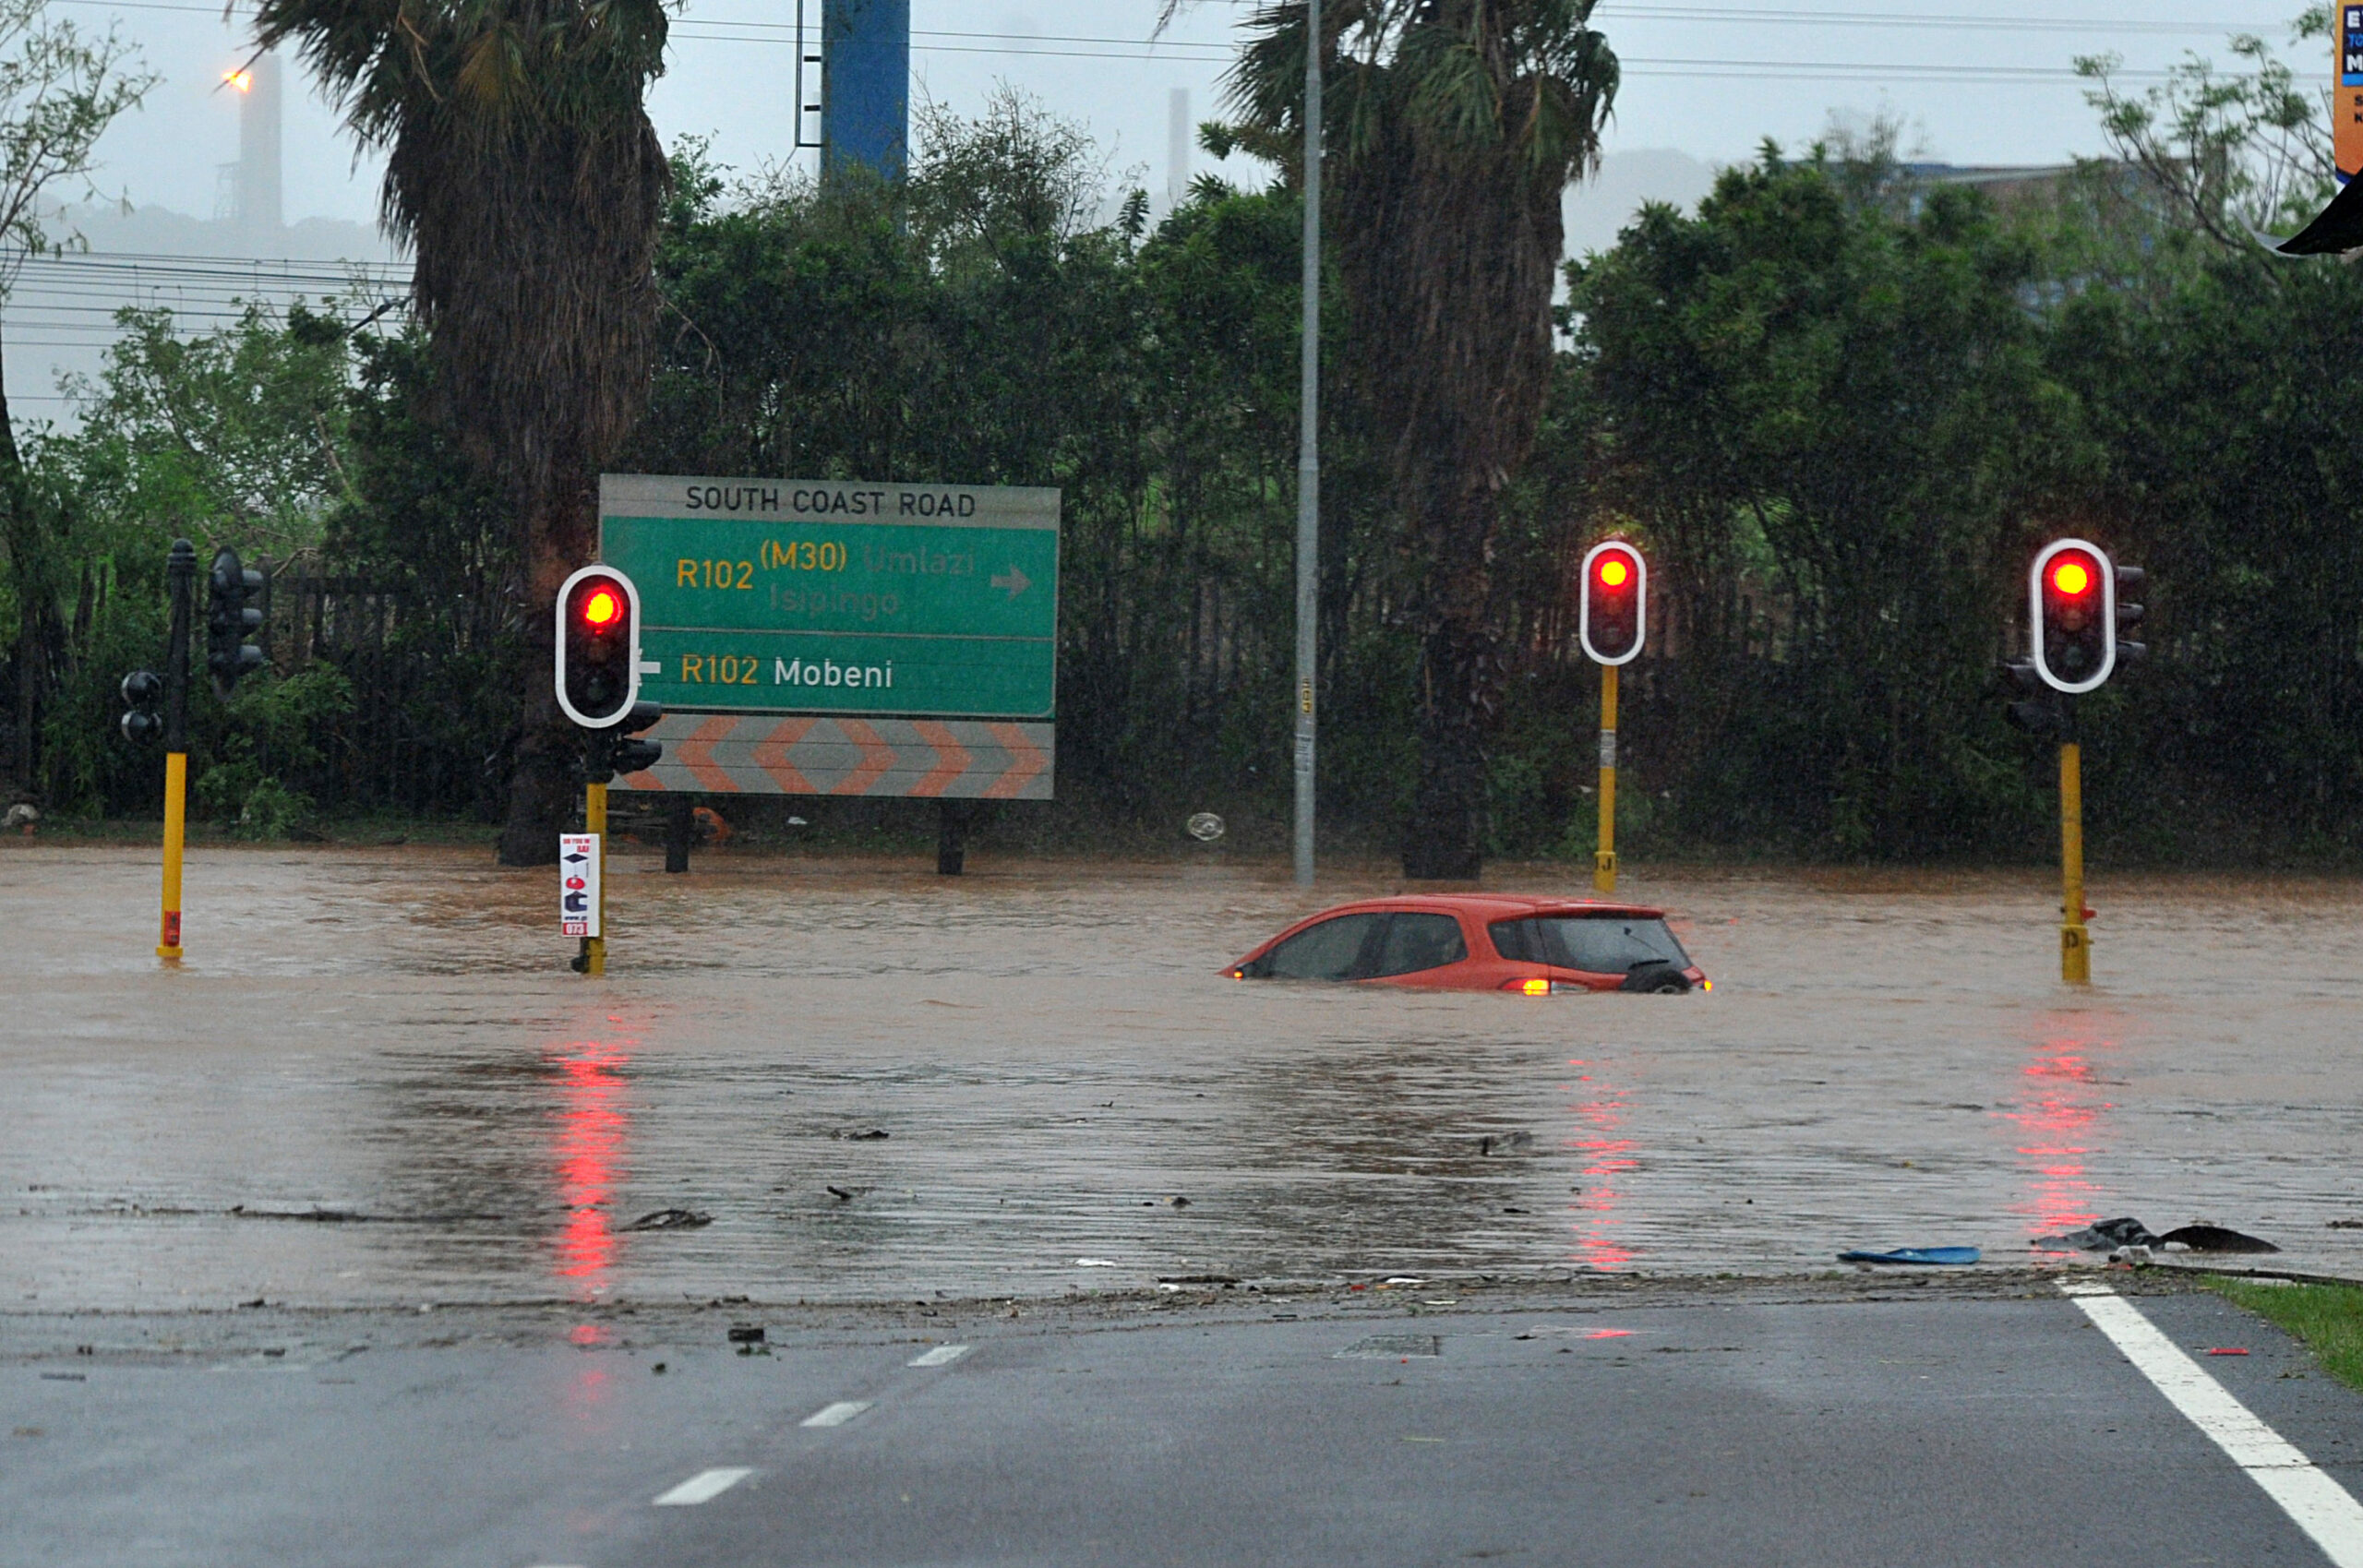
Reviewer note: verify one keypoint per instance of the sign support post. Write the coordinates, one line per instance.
(595, 823)
(1604, 873)
(180, 574)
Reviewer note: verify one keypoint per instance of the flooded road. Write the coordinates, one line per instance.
(375, 1083)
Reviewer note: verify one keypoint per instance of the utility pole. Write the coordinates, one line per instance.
(1308, 459)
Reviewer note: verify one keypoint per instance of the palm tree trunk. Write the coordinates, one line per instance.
(560, 533)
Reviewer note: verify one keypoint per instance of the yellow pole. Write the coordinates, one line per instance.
(1604, 874)
(2075, 942)
(168, 940)
(595, 820)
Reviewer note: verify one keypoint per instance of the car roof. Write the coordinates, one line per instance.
(1489, 906)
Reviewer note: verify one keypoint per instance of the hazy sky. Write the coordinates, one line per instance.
(1986, 81)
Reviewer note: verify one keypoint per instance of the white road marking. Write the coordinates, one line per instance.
(2321, 1507)
(704, 1486)
(836, 1414)
(941, 1356)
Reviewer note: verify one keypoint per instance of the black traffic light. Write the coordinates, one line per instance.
(2072, 610)
(638, 756)
(231, 616)
(610, 752)
(2027, 703)
(2129, 615)
(142, 691)
(1613, 619)
(598, 647)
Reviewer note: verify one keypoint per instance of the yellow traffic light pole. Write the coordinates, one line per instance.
(2075, 942)
(168, 934)
(1604, 874)
(179, 576)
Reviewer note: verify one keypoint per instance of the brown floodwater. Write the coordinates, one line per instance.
(375, 1082)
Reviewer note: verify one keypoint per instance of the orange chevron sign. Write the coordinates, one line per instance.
(941, 759)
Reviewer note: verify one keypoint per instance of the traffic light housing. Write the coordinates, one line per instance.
(598, 647)
(2072, 613)
(635, 756)
(1612, 621)
(2028, 703)
(2129, 615)
(143, 691)
(231, 616)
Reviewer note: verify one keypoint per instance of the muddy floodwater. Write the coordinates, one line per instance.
(375, 1082)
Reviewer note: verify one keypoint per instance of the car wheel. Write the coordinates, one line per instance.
(1658, 978)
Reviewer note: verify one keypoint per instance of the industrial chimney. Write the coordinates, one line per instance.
(258, 210)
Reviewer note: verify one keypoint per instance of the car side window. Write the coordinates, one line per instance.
(1517, 940)
(1331, 951)
(1418, 942)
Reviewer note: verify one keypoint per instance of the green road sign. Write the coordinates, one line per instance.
(776, 595)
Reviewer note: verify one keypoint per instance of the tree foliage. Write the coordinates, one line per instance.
(524, 173)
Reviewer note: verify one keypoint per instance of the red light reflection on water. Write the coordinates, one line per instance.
(1607, 1156)
(2058, 1121)
(591, 1126)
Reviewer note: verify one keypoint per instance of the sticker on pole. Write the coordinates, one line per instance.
(578, 884)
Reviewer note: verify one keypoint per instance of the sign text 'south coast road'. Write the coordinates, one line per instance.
(774, 595)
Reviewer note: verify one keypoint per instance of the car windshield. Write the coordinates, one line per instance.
(1597, 944)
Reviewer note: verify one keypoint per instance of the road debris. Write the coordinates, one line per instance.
(671, 1219)
(2110, 1234)
(1950, 1257)
(869, 1135)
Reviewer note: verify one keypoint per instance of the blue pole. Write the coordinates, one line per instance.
(866, 87)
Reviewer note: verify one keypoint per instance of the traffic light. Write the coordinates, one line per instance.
(2028, 703)
(1613, 619)
(2073, 609)
(230, 618)
(636, 756)
(598, 647)
(2129, 614)
(142, 690)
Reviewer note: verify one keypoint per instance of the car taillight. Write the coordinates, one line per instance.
(1538, 988)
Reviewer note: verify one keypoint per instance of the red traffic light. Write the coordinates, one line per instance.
(2072, 616)
(598, 647)
(1612, 621)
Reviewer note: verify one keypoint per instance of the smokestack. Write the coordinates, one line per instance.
(1177, 147)
(258, 210)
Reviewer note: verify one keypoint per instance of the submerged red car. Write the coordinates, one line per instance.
(1482, 943)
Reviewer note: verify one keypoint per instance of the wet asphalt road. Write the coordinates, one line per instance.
(1951, 1429)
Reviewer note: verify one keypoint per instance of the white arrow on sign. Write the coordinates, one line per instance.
(1014, 580)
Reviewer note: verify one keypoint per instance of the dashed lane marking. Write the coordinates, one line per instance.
(704, 1486)
(835, 1415)
(2321, 1507)
(941, 1356)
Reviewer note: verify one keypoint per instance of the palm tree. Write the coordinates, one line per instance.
(522, 170)
(1453, 130)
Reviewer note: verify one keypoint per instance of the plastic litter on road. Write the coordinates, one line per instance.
(1951, 1256)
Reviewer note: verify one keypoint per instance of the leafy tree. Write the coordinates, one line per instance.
(60, 88)
(522, 170)
(1839, 403)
